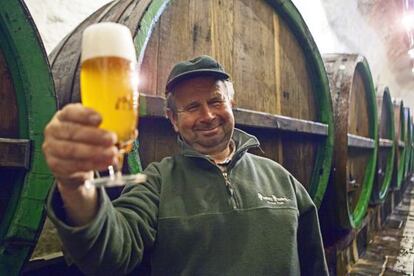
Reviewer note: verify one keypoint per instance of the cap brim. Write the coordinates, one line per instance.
(208, 72)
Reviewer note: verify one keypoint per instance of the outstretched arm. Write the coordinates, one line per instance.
(74, 146)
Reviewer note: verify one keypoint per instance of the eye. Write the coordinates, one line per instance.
(216, 102)
(192, 107)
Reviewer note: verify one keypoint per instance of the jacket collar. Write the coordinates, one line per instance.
(242, 140)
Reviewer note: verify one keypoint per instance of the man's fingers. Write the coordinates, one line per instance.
(65, 168)
(77, 113)
(74, 144)
(80, 133)
(78, 151)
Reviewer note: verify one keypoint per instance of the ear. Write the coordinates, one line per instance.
(173, 119)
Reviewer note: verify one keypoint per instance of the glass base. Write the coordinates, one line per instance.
(116, 180)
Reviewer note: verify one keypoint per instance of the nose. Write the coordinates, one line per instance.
(206, 113)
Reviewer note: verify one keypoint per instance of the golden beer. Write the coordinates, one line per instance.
(109, 78)
(109, 86)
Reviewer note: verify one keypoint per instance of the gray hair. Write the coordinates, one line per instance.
(170, 100)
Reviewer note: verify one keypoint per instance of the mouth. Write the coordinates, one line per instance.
(210, 131)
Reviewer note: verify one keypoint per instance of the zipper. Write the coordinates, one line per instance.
(230, 190)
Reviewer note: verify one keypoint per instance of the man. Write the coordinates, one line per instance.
(214, 209)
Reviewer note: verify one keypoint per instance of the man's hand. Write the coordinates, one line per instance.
(74, 147)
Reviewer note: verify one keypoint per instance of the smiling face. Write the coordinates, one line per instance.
(203, 116)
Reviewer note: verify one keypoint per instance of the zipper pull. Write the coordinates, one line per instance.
(228, 185)
(230, 190)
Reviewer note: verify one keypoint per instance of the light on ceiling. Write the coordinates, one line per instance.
(411, 53)
(408, 20)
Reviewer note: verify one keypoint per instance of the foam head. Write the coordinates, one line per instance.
(107, 39)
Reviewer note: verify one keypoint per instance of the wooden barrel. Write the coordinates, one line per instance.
(282, 92)
(399, 159)
(356, 136)
(410, 153)
(26, 105)
(407, 141)
(386, 149)
(412, 147)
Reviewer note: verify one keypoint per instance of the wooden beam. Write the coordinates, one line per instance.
(401, 144)
(153, 106)
(360, 142)
(252, 118)
(386, 143)
(14, 153)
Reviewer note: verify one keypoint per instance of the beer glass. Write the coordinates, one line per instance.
(109, 85)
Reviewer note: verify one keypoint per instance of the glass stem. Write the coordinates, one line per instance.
(118, 167)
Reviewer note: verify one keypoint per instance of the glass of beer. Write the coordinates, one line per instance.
(109, 85)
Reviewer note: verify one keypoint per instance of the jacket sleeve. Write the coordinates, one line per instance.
(114, 241)
(310, 245)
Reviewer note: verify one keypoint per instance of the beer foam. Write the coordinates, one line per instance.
(107, 39)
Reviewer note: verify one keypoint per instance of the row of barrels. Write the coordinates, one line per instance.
(317, 116)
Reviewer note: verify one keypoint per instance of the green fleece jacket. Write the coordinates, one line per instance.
(191, 219)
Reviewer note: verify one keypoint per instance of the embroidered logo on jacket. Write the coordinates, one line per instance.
(273, 199)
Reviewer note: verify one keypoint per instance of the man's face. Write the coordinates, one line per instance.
(204, 117)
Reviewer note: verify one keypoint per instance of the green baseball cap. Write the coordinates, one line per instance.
(202, 65)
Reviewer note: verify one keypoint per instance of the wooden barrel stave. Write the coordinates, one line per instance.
(275, 70)
(8, 129)
(356, 137)
(68, 67)
(412, 148)
(263, 79)
(26, 90)
(407, 141)
(399, 159)
(386, 151)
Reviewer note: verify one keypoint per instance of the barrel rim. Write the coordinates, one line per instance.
(382, 192)
(29, 68)
(351, 63)
(402, 153)
(412, 147)
(362, 206)
(288, 11)
(407, 139)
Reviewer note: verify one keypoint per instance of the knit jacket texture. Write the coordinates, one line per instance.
(190, 218)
